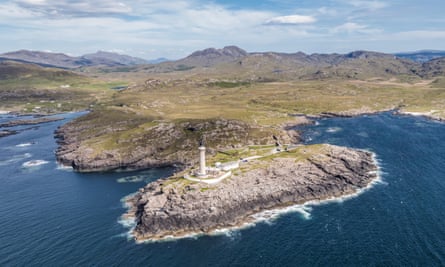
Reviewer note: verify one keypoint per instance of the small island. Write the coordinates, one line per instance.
(178, 207)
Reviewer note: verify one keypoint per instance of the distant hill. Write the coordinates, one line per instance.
(112, 59)
(283, 66)
(211, 56)
(60, 60)
(422, 56)
(232, 60)
(433, 68)
(45, 58)
(158, 60)
(12, 70)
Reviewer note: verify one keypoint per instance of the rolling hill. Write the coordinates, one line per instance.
(61, 60)
(422, 56)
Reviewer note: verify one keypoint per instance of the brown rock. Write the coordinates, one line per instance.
(169, 207)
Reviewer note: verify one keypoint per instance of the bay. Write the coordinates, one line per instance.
(55, 217)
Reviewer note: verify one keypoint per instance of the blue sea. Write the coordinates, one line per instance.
(51, 216)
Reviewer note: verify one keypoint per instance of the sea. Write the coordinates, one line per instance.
(52, 216)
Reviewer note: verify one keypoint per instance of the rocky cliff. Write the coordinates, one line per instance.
(89, 146)
(175, 206)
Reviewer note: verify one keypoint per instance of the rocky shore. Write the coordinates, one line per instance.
(177, 207)
(431, 115)
(30, 122)
(4, 133)
(161, 144)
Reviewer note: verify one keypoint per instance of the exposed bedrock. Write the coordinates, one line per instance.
(88, 148)
(174, 206)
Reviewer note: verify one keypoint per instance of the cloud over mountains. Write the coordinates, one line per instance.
(175, 28)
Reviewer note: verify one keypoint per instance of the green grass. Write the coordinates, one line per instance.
(226, 84)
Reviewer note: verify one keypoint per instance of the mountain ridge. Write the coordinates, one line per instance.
(61, 60)
(422, 56)
(278, 66)
(228, 60)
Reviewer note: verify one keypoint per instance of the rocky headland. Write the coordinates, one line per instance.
(30, 121)
(177, 207)
(88, 148)
(4, 133)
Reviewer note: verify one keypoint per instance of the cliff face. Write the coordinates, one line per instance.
(140, 146)
(174, 206)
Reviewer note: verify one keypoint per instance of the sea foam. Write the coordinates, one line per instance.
(34, 163)
(15, 158)
(25, 144)
(266, 216)
(333, 129)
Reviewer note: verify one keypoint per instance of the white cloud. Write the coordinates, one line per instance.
(175, 28)
(327, 11)
(352, 27)
(177, 25)
(291, 20)
(372, 5)
(349, 27)
(74, 8)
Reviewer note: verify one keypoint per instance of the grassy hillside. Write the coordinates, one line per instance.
(31, 88)
(255, 96)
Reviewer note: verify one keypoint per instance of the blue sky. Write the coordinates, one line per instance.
(175, 28)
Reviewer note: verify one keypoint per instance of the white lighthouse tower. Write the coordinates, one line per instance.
(202, 160)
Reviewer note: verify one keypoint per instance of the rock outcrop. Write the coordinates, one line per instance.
(30, 122)
(175, 207)
(161, 144)
(4, 133)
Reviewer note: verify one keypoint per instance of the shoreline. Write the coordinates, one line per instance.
(426, 115)
(266, 206)
(264, 216)
(65, 150)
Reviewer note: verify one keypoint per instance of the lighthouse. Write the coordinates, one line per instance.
(202, 158)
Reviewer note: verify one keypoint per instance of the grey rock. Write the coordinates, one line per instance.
(174, 207)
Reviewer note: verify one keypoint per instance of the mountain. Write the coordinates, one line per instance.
(211, 56)
(158, 60)
(422, 56)
(45, 58)
(258, 65)
(282, 66)
(433, 68)
(113, 59)
(13, 70)
(60, 60)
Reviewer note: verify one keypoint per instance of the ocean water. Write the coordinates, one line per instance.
(50, 216)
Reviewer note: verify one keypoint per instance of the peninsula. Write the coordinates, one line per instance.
(175, 207)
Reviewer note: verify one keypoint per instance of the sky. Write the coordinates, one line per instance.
(175, 28)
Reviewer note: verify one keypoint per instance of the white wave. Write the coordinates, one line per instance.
(14, 159)
(63, 167)
(268, 216)
(334, 129)
(25, 144)
(127, 222)
(124, 200)
(363, 134)
(132, 179)
(34, 163)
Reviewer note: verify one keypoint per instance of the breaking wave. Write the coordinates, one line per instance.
(34, 163)
(15, 159)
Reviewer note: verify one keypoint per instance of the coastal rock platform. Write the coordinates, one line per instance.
(178, 207)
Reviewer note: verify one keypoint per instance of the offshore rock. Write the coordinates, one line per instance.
(177, 207)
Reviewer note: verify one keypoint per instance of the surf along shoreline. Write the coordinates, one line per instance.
(166, 210)
(130, 221)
